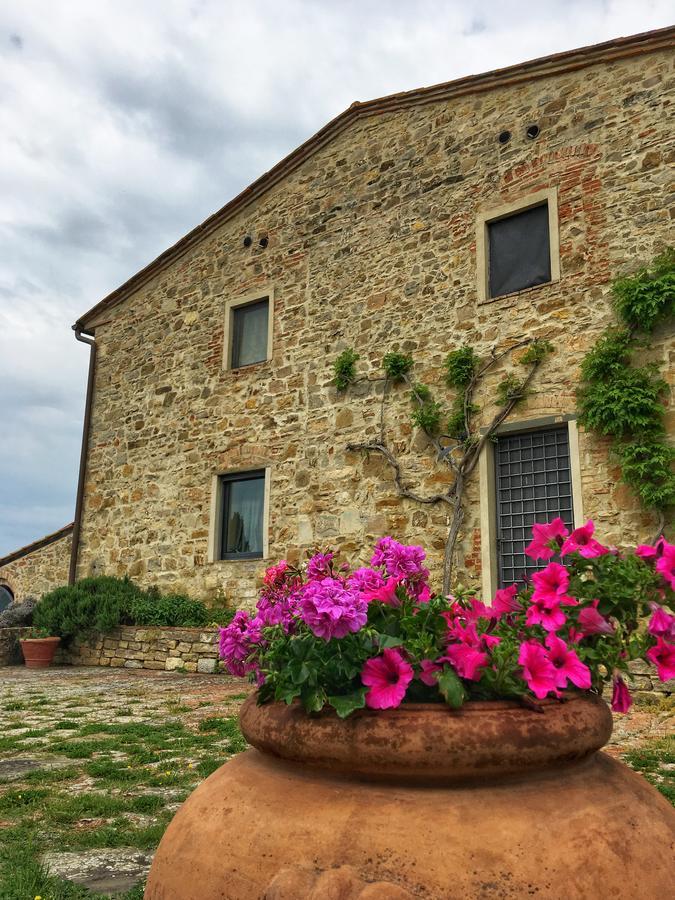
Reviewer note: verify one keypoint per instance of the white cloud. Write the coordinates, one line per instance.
(123, 125)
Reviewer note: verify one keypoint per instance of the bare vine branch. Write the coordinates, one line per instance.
(398, 476)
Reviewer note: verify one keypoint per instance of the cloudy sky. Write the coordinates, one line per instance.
(124, 124)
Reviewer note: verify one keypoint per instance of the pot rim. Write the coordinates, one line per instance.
(38, 640)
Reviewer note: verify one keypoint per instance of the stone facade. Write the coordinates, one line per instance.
(136, 647)
(10, 649)
(39, 567)
(372, 245)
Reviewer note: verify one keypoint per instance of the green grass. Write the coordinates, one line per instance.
(657, 763)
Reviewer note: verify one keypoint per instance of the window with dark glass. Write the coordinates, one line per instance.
(519, 251)
(242, 505)
(6, 597)
(533, 484)
(249, 333)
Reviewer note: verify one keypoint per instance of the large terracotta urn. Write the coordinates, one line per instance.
(490, 801)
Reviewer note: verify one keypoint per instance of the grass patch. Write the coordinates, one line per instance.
(657, 763)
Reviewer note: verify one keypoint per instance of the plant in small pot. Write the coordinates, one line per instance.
(391, 721)
(39, 648)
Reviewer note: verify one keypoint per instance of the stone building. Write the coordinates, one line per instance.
(478, 212)
(36, 568)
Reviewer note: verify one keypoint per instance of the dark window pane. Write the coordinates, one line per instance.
(519, 251)
(6, 597)
(242, 524)
(514, 471)
(249, 333)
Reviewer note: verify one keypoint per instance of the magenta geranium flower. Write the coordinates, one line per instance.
(388, 677)
(399, 560)
(320, 565)
(505, 601)
(331, 610)
(550, 585)
(665, 564)
(662, 655)
(591, 621)
(546, 537)
(662, 623)
(582, 541)
(238, 641)
(621, 698)
(467, 661)
(538, 670)
(567, 664)
(366, 580)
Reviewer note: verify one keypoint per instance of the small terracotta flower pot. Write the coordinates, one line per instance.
(39, 652)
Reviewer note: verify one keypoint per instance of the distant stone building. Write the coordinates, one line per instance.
(475, 212)
(36, 568)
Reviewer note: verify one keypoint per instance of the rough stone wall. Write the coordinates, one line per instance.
(38, 572)
(372, 244)
(135, 647)
(10, 649)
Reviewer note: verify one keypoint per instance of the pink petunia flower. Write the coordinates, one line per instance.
(621, 698)
(550, 585)
(427, 675)
(567, 664)
(388, 677)
(538, 670)
(386, 593)
(582, 541)
(546, 613)
(542, 537)
(662, 655)
(505, 601)
(466, 660)
(649, 551)
(591, 622)
(665, 565)
(662, 623)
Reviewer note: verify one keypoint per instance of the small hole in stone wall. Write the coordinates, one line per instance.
(504, 137)
(264, 241)
(248, 240)
(532, 131)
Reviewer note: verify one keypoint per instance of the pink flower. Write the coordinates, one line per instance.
(238, 642)
(420, 591)
(665, 565)
(427, 675)
(386, 593)
(662, 655)
(505, 601)
(662, 624)
(275, 575)
(546, 613)
(621, 698)
(466, 660)
(567, 664)
(388, 677)
(543, 535)
(331, 610)
(591, 622)
(647, 551)
(551, 584)
(365, 581)
(320, 566)
(538, 670)
(582, 541)
(399, 560)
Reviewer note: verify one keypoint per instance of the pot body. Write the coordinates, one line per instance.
(284, 829)
(38, 653)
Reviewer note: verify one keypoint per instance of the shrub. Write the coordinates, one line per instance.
(344, 369)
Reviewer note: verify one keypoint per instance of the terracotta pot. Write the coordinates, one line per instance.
(492, 800)
(38, 653)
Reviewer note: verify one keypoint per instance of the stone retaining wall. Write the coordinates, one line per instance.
(10, 651)
(146, 647)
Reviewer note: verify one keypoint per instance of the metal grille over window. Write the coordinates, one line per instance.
(519, 251)
(533, 485)
(243, 500)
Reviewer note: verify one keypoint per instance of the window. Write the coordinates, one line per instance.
(519, 251)
(6, 596)
(249, 333)
(533, 484)
(517, 246)
(242, 511)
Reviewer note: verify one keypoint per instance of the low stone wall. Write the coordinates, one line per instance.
(10, 651)
(145, 647)
(644, 680)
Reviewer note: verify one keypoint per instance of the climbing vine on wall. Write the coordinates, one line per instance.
(458, 445)
(622, 400)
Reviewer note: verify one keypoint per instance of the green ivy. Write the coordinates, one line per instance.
(397, 365)
(428, 416)
(508, 389)
(344, 369)
(620, 400)
(536, 352)
(460, 366)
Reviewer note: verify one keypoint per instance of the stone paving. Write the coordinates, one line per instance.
(123, 736)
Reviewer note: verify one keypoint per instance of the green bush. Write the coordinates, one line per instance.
(104, 603)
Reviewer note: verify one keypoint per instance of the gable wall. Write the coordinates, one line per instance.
(371, 245)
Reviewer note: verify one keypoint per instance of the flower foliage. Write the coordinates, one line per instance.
(377, 635)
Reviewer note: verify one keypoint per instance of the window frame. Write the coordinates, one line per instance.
(549, 196)
(217, 514)
(228, 332)
(488, 492)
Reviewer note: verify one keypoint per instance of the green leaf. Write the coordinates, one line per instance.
(451, 687)
(388, 640)
(314, 699)
(345, 704)
(298, 671)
